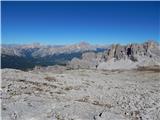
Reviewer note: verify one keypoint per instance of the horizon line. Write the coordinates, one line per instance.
(86, 42)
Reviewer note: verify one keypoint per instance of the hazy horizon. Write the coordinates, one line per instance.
(61, 23)
(38, 43)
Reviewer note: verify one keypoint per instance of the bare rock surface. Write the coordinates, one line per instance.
(118, 56)
(80, 95)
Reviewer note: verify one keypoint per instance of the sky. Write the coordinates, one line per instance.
(72, 22)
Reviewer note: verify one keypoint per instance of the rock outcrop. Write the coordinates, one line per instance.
(132, 50)
(121, 57)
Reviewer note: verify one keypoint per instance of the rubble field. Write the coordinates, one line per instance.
(81, 95)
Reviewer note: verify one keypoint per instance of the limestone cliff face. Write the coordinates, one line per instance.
(132, 53)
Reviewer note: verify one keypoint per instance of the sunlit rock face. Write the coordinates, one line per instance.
(132, 50)
(121, 56)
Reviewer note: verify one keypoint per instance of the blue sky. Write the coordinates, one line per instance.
(72, 22)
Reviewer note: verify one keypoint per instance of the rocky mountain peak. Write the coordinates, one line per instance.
(135, 54)
(33, 45)
(83, 43)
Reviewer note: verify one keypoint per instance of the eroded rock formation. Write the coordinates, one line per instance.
(131, 55)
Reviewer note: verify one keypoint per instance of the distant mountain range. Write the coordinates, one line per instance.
(82, 55)
(30, 55)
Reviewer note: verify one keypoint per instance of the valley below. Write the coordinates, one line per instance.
(80, 94)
